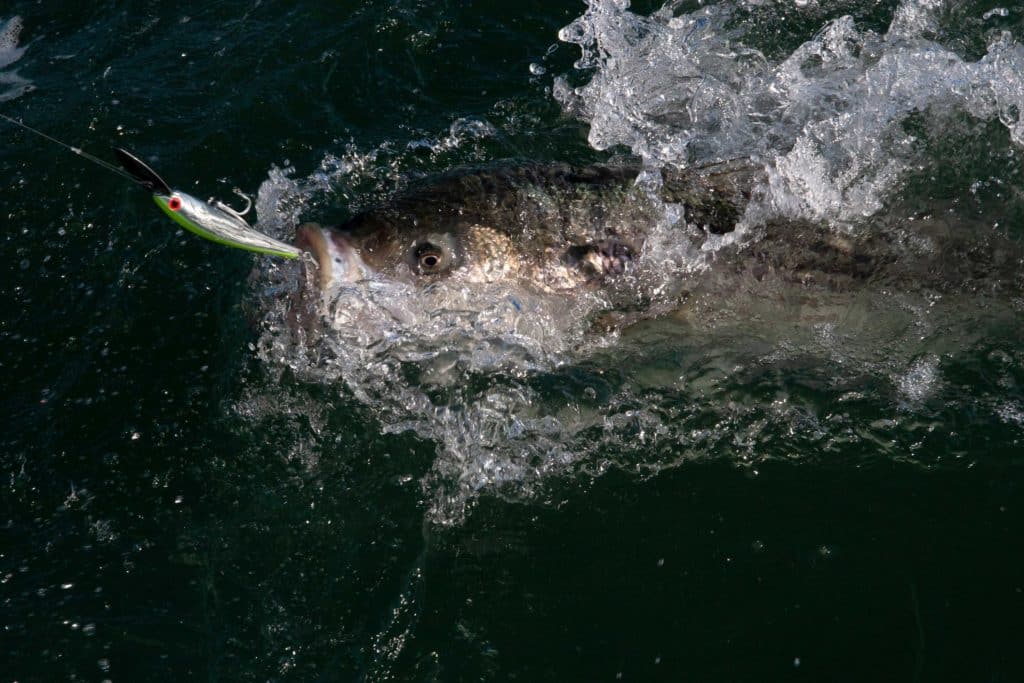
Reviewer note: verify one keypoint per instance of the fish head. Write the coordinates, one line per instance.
(424, 253)
(369, 247)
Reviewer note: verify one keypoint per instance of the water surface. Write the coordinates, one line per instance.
(765, 488)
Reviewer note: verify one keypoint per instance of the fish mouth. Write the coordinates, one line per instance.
(337, 259)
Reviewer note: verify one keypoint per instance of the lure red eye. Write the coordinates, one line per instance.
(174, 204)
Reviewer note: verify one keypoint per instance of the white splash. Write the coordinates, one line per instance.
(518, 390)
(920, 380)
(828, 122)
(11, 84)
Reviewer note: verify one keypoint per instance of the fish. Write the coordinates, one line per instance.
(553, 228)
(559, 230)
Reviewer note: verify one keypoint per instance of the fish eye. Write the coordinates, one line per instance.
(429, 257)
(174, 204)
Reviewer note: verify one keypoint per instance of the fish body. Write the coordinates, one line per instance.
(559, 231)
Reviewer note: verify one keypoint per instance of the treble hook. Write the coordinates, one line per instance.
(227, 209)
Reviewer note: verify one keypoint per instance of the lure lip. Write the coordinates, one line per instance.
(146, 176)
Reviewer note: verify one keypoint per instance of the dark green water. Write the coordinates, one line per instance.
(170, 513)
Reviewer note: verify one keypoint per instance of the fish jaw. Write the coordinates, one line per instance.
(336, 258)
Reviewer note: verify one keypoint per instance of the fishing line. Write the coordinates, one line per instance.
(210, 220)
(77, 150)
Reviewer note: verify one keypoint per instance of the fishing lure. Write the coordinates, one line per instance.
(212, 220)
